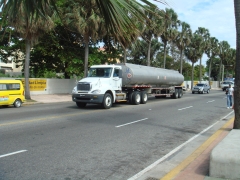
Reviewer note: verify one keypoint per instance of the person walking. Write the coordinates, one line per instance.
(229, 93)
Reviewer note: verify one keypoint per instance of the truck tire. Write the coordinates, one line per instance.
(107, 101)
(17, 103)
(175, 95)
(136, 98)
(81, 104)
(144, 97)
(130, 95)
(180, 93)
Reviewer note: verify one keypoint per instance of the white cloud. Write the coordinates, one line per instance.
(215, 15)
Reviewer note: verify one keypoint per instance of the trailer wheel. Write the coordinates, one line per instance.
(180, 93)
(107, 101)
(17, 103)
(81, 104)
(144, 97)
(136, 98)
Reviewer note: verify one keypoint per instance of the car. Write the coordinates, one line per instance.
(11, 93)
(225, 85)
(201, 88)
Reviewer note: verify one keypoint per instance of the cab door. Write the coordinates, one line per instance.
(116, 79)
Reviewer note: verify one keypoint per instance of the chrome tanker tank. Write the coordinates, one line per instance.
(133, 74)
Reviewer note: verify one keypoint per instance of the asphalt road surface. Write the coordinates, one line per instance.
(61, 141)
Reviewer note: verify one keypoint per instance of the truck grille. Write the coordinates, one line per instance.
(83, 87)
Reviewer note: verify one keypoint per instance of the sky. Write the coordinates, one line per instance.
(215, 15)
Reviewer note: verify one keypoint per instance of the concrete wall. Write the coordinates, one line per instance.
(53, 86)
(214, 84)
(65, 86)
(57, 86)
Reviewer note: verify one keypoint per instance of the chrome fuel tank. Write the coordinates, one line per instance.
(133, 74)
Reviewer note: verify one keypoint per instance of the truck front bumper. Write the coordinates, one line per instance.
(88, 98)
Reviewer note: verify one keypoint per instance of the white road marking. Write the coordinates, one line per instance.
(9, 154)
(185, 108)
(210, 101)
(173, 151)
(131, 122)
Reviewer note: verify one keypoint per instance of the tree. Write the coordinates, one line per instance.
(116, 19)
(204, 33)
(237, 69)
(183, 39)
(152, 27)
(22, 24)
(193, 52)
(170, 25)
(223, 54)
(212, 51)
(84, 17)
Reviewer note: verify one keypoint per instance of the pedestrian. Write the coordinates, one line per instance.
(229, 93)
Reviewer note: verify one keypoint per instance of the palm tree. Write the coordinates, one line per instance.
(151, 28)
(236, 124)
(111, 10)
(193, 52)
(183, 39)
(28, 31)
(223, 54)
(212, 52)
(205, 44)
(170, 25)
(84, 17)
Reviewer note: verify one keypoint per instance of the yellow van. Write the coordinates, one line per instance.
(11, 93)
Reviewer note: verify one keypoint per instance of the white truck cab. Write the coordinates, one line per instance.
(101, 84)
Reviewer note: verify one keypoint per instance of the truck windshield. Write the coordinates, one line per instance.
(100, 72)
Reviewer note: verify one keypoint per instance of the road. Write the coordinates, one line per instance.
(61, 141)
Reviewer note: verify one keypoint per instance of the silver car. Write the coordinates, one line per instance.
(201, 88)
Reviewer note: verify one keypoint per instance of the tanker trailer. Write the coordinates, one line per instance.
(108, 84)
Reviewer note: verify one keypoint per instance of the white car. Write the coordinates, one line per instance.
(225, 84)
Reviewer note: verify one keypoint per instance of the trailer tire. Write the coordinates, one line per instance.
(180, 93)
(107, 101)
(136, 98)
(81, 104)
(144, 97)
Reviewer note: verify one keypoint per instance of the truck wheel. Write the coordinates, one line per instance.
(107, 101)
(17, 103)
(81, 104)
(175, 95)
(144, 97)
(136, 98)
(180, 93)
(130, 95)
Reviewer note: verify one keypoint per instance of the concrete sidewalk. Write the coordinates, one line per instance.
(194, 167)
(49, 98)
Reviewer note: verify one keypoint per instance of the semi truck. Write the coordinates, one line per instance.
(125, 82)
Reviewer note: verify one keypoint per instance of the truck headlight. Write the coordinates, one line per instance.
(74, 91)
(97, 91)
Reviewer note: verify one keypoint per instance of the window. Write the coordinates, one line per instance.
(116, 73)
(9, 86)
(100, 72)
